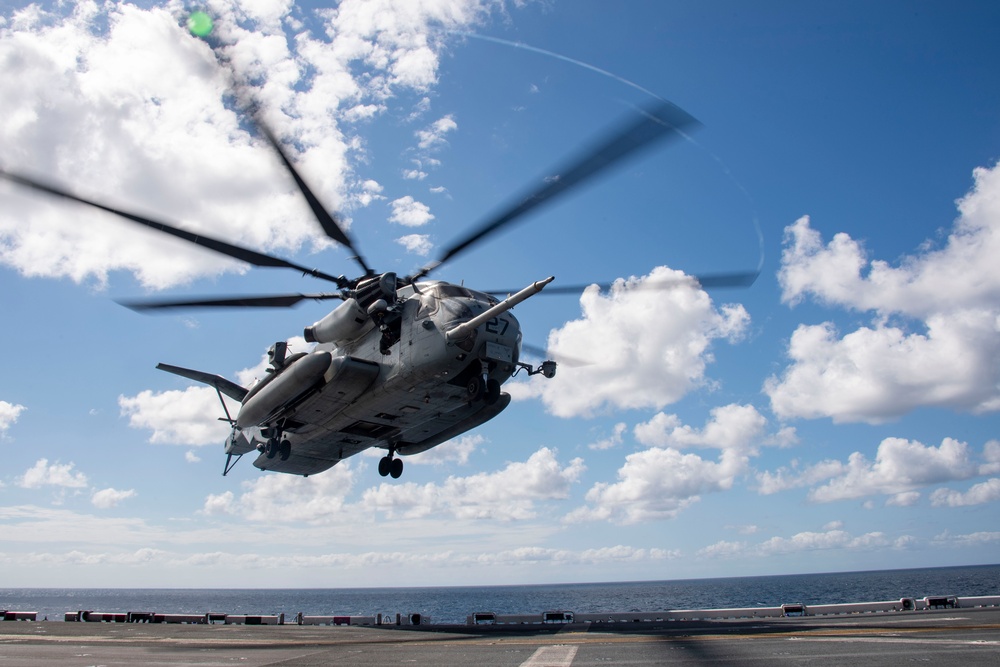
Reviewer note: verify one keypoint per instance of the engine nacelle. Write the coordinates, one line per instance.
(343, 324)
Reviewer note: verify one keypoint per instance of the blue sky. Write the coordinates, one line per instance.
(841, 414)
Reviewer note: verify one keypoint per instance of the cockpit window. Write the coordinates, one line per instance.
(431, 295)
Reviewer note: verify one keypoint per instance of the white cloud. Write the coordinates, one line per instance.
(434, 136)
(409, 212)
(56, 474)
(904, 499)
(418, 244)
(991, 454)
(730, 427)
(456, 450)
(654, 346)
(967, 540)
(120, 102)
(110, 497)
(901, 467)
(941, 352)
(191, 457)
(9, 412)
(286, 499)
(368, 192)
(978, 494)
(189, 417)
(830, 538)
(610, 442)
(661, 482)
(791, 477)
(658, 484)
(506, 495)
(879, 373)
(221, 503)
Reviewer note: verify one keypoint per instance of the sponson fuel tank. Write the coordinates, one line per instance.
(303, 375)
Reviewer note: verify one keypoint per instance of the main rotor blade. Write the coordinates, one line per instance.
(708, 281)
(326, 221)
(657, 122)
(243, 254)
(267, 301)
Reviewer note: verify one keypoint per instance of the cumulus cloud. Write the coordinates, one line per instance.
(967, 540)
(507, 495)
(418, 244)
(612, 441)
(658, 484)
(991, 456)
(978, 494)
(9, 412)
(655, 346)
(318, 499)
(368, 192)
(730, 427)
(833, 538)
(408, 212)
(434, 136)
(662, 481)
(936, 331)
(55, 474)
(901, 467)
(190, 417)
(456, 450)
(110, 497)
(121, 102)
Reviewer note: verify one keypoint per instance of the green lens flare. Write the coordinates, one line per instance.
(200, 24)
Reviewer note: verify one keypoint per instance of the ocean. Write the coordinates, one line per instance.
(454, 604)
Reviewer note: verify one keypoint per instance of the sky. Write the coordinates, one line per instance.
(841, 414)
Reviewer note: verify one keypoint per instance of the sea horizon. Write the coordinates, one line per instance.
(452, 604)
(608, 582)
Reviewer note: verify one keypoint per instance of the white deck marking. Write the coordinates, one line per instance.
(551, 656)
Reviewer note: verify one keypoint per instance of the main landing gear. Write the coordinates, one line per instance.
(277, 447)
(389, 466)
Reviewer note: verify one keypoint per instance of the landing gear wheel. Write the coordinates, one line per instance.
(384, 464)
(475, 388)
(492, 394)
(271, 448)
(396, 468)
(284, 450)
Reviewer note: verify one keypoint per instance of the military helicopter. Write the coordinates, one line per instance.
(403, 363)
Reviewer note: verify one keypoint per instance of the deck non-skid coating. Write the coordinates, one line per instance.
(966, 637)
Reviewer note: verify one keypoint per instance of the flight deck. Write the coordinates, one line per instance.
(956, 635)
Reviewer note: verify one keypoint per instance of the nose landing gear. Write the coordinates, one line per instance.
(483, 388)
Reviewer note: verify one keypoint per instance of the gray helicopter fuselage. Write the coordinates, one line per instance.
(401, 385)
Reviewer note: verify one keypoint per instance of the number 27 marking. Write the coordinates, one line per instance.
(497, 326)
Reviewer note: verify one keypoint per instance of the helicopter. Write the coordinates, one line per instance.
(403, 363)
